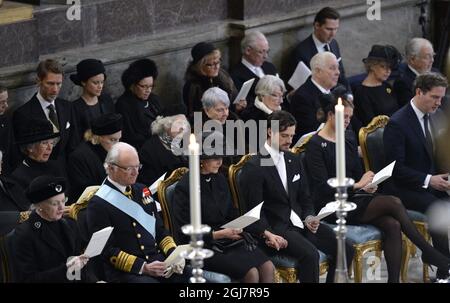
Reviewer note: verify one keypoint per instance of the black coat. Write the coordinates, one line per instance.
(130, 245)
(84, 116)
(262, 183)
(306, 49)
(11, 156)
(41, 254)
(138, 116)
(69, 136)
(156, 160)
(253, 113)
(240, 73)
(304, 107)
(12, 202)
(85, 168)
(30, 169)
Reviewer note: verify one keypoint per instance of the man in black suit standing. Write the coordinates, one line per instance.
(287, 222)
(305, 103)
(419, 60)
(410, 140)
(254, 64)
(326, 24)
(45, 104)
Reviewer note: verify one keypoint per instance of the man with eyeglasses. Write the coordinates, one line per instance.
(254, 64)
(419, 60)
(36, 141)
(139, 243)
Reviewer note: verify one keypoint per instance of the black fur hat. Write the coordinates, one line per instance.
(139, 70)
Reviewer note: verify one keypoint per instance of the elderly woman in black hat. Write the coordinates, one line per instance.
(93, 101)
(138, 105)
(203, 72)
(374, 96)
(46, 248)
(235, 251)
(85, 165)
(36, 141)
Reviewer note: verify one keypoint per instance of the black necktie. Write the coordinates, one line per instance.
(428, 137)
(326, 48)
(52, 115)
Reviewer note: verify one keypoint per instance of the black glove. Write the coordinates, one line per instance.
(249, 242)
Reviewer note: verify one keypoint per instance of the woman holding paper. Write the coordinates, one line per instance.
(46, 246)
(385, 212)
(235, 252)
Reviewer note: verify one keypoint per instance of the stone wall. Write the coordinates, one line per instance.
(118, 32)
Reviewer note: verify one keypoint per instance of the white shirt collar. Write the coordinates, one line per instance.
(275, 154)
(261, 106)
(120, 187)
(252, 67)
(319, 44)
(418, 112)
(413, 70)
(44, 103)
(323, 90)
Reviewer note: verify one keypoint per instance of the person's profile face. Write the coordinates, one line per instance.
(50, 85)
(327, 31)
(94, 85)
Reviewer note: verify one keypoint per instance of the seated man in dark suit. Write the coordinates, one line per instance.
(139, 243)
(326, 24)
(254, 64)
(277, 177)
(419, 59)
(305, 103)
(45, 104)
(410, 139)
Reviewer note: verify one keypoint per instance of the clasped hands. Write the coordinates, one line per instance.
(159, 269)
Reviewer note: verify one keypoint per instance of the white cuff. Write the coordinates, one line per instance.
(142, 268)
(427, 181)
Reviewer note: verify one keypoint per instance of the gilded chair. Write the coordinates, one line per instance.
(166, 190)
(372, 148)
(286, 266)
(365, 238)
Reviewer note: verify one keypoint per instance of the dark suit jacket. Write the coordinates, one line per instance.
(240, 73)
(11, 155)
(130, 245)
(306, 49)
(42, 255)
(69, 137)
(262, 183)
(414, 161)
(12, 202)
(304, 106)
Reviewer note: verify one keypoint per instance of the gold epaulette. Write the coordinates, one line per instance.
(123, 261)
(83, 201)
(166, 244)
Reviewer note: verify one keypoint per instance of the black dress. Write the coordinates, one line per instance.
(42, 248)
(373, 101)
(138, 116)
(85, 113)
(156, 160)
(85, 168)
(216, 210)
(321, 166)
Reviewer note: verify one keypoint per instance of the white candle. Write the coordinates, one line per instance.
(194, 183)
(340, 142)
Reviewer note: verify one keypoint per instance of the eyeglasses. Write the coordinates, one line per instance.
(214, 64)
(145, 87)
(428, 56)
(261, 51)
(129, 169)
(57, 203)
(275, 96)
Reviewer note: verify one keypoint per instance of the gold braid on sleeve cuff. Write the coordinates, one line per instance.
(123, 261)
(166, 244)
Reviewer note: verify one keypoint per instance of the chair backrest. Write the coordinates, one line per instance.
(234, 174)
(371, 142)
(7, 262)
(166, 191)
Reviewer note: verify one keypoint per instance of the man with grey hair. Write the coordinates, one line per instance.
(417, 180)
(305, 104)
(254, 64)
(139, 243)
(419, 59)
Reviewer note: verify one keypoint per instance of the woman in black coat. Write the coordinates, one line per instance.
(46, 246)
(248, 266)
(93, 102)
(385, 212)
(138, 106)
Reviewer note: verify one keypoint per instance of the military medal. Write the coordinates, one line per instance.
(146, 196)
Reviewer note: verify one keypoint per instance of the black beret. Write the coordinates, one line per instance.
(44, 187)
(86, 69)
(200, 50)
(107, 124)
(139, 70)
